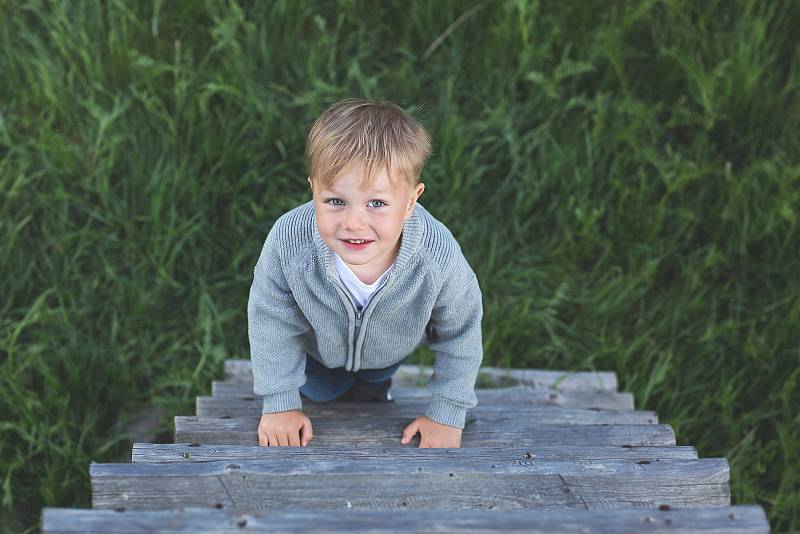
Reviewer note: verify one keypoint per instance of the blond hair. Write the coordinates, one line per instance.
(375, 135)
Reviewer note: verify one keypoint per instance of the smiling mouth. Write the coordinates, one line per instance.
(355, 244)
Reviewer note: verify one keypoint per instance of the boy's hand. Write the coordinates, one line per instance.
(284, 429)
(433, 435)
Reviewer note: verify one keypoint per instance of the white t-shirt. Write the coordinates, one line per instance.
(360, 293)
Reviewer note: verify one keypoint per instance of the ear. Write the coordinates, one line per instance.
(413, 200)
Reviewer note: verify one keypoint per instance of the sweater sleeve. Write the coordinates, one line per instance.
(275, 326)
(454, 335)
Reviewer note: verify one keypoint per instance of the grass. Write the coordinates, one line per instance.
(624, 177)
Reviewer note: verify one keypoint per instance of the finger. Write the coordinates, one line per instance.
(307, 432)
(273, 440)
(294, 440)
(408, 437)
(262, 439)
(283, 440)
(410, 431)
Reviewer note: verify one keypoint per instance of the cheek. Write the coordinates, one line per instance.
(390, 226)
(326, 224)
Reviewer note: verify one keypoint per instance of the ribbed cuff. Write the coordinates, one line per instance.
(282, 402)
(446, 413)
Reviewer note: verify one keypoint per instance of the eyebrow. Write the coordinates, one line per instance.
(371, 192)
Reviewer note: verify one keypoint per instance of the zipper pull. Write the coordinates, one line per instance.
(359, 315)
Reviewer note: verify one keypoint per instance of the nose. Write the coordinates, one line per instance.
(354, 219)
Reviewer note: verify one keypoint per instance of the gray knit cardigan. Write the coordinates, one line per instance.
(298, 306)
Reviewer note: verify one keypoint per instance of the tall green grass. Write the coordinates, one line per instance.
(624, 177)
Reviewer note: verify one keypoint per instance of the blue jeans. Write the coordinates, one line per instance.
(324, 384)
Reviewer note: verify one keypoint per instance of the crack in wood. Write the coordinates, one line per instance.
(225, 487)
(567, 489)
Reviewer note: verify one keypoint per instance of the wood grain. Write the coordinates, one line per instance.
(722, 520)
(443, 483)
(511, 395)
(387, 432)
(188, 452)
(239, 407)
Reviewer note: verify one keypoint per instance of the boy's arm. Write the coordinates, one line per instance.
(274, 327)
(454, 335)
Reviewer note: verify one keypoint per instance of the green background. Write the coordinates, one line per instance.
(624, 178)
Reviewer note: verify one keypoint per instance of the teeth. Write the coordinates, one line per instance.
(357, 240)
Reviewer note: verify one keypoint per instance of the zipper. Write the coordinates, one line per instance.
(343, 295)
(357, 336)
(359, 315)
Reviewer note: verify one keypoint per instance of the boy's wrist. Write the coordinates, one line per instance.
(282, 401)
(446, 413)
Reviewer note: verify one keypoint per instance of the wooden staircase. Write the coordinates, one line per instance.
(544, 451)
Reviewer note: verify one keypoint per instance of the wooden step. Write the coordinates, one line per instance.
(723, 520)
(192, 452)
(557, 452)
(240, 407)
(424, 482)
(418, 375)
(387, 432)
(606, 400)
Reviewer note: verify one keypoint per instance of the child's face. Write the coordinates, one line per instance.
(345, 212)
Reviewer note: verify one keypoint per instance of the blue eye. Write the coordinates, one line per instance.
(338, 202)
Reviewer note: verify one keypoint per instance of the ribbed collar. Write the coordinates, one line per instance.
(410, 239)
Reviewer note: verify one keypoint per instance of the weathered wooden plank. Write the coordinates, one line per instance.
(443, 483)
(723, 520)
(251, 406)
(418, 375)
(188, 452)
(606, 400)
(387, 431)
(562, 380)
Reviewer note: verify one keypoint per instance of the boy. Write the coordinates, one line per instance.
(348, 284)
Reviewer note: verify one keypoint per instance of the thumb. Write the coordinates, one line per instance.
(307, 432)
(410, 431)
